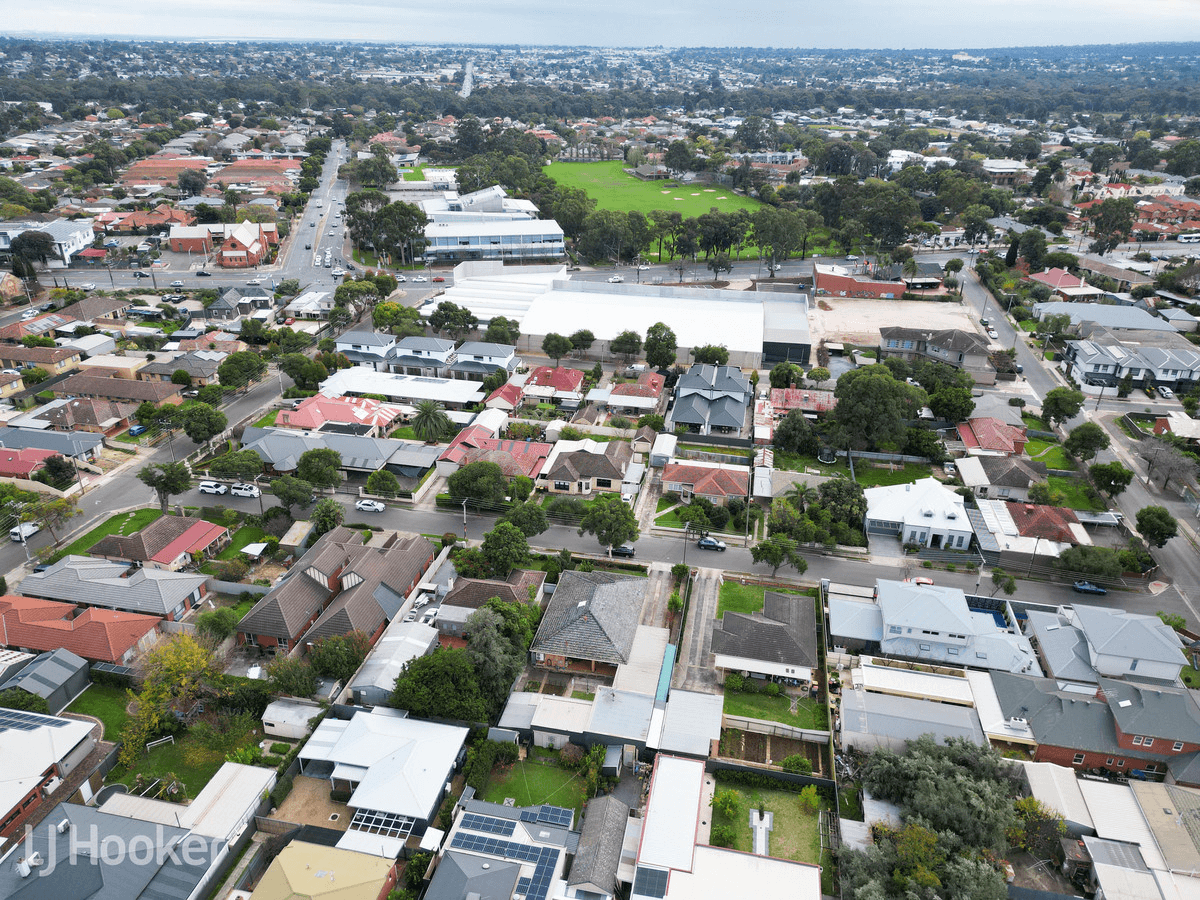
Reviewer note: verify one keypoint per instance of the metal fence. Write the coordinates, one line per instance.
(775, 729)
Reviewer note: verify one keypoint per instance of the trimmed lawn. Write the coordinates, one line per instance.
(405, 433)
(870, 475)
(125, 523)
(267, 420)
(533, 783)
(1054, 456)
(795, 832)
(107, 704)
(1190, 676)
(810, 714)
(611, 188)
(1034, 422)
(742, 598)
(669, 520)
(186, 759)
(1074, 493)
(582, 695)
(243, 537)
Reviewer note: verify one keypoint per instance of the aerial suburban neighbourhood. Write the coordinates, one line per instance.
(479, 472)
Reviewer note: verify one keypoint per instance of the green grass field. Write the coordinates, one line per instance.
(268, 420)
(742, 598)
(871, 475)
(1034, 422)
(795, 833)
(611, 188)
(125, 523)
(809, 714)
(533, 783)
(105, 703)
(1051, 454)
(243, 537)
(1074, 493)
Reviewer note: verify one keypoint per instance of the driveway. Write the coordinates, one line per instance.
(696, 672)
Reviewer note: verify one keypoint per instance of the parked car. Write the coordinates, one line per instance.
(1165, 392)
(625, 550)
(949, 468)
(23, 532)
(366, 505)
(710, 543)
(615, 279)
(204, 273)
(212, 487)
(920, 579)
(1086, 587)
(88, 286)
(241, 489)
(138, 430)
(993, 334)
(29, 314)
(438, 278)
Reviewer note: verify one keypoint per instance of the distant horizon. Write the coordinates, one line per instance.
(864, 25)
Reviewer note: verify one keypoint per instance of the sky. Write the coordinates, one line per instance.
(904, 24)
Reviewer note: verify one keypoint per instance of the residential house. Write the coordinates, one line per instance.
(11, 384)
(317, 872)
(554, 385)
(351, 415)
(589, 623)
(200, 365)
(812, 403)
(780, 642)
(72, 445)
(508, 397)
(430, 356)
(54, 360)
(524, 458)
(23, 463)
(983, 434)
(581, 467)
(1065, 285)
(119, 390)
(57, 676)
(465, 595)
(1122, 644)
(169, 542)
(1105, 357)
(476, 360)
(39, 752)
(960, 349)
(1001, 477)
(235, 302)
(712, 481)
(97, 582)
(337, 587)
(926, 513)
(453, 393)
(366, 348)
(113, 366)
(47, 325)
(709, 398)
(643, 397)
(598, 857)
(396, 770)
(96, 307)
(400, 643)
(281, 449)
(97, 635)
(311, 305)
(1178, 423)
(97, 416)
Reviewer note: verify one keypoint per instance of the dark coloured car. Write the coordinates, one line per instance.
(137, 429)
(1086, 587)
(710, 543)
(140, 274)
(625, 550)
(204, 273)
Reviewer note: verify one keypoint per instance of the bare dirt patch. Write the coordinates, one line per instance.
(857, 321)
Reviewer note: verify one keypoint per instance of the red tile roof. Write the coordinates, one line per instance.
(509, 392)
(708, 482)
(561, 378)
(784, 400)
(96, 634)
(514, 457)
(649, 384)
(1057, 278)
(195, 539)
(23, 463)
(987, 433)
(467, 438)
(1050, 523)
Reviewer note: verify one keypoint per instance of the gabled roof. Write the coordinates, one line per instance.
(98, 582)
(947, 339)
(562, 378)
(485, 348)
(986, 433)
(473, 593)
(96, 634)
(599, 851)
(177, 534)
(1114, 632)
(117, 388)
(910, 502)
(785, 632)
(1012, 471)
(49, 672)
(367, 338)
(513, 457)
(713, 381)
(593, 615)
(709, 481)
(1154, 711)
(648, 384)
(1051, 523)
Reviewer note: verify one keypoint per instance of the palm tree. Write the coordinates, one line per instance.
(910, 266)
(430, 421)
(800, 495)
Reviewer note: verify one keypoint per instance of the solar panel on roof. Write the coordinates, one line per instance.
(556, 815)
(18, 720)
(487, 824)
(650, 883)
(545, 859)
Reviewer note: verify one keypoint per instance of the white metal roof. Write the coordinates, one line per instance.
(672, 813)
(640, 674)
(1116, 815)
(885, 679)
(561, 714)
(727, 873)
(1058, 788)
(363, 380)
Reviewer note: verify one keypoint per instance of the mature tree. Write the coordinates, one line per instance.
(611, 520)
(167, 479)
(340, 656)
(718, 263)
(430, 422)
(307, 373)
(19, 698)
(1167, 460)
(873, 408)
(244, 465)
(292, 677)
(217, 624)
(785, 375)
(496, 658)
(1060, 404)
(530, 518)
(327, 515)
(953, 404)
(502, 330)
(32, 245)
(202, 423)
(52, 513)
(796, 434)
(452, 319)
(238, 370)
(191, 182)
(320, 467)
(1102, 562)
(819, 375)
(505, 547)
(1111, 478)
(59, 471)
(181, 378)
(403, 321)
(581, 340)
(443, 685)
(383, 483)
(481, 482)
(711, 354)
(1002, 581)
(627, 344)
(1085, 441)
(1156, 524)
(653, 421)
(36, 375)
(1112, 220)
(660, 346)
(556, 346)
(778, 550)
(291, 491)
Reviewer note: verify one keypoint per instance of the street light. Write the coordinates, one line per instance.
(464, 521)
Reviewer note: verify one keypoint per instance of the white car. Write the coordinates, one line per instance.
(419, 279)
(176, 284)
(88, 286)
(851, 258)
(993, 335)
(365, 505)
(339, 272)
(212, 487)
(254, 282)
(29, 314)
(643, 268)
(400, 279)
(241, 489)
(616, 279)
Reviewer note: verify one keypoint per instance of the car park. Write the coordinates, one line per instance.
(1165, 392)
(212, 487)
(710, 543)
(1086, 587)
(625, 550)
(241, 489)
(366, 505)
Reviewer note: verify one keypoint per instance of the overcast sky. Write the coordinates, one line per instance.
(716, 23)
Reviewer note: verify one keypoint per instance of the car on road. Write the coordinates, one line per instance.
(328, 264)
(23, 532)
(920, 579)
(710, 543)
(88, 286)
(29, 314)
(1086, 587)
(993, 334)
(176, 283)
(212, 487)
(241, 489)
(254, 282)
(625, 550)
(140, 274)
(339, 272)
(204, 273)
(312, 224)
(308, 246)
(400, 279)
(438, 278)
(615, 279)
(1165, 392)
(643, 268)
(366, 505)
(850, 257)
(350, 267)
(972, 252)
(419, 279)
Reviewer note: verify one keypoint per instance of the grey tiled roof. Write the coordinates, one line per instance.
(785, 632)
(612, 463)
(593, 616)
(1113, 632)
(1012, 471)
(1074, 721)
(599, 851)
(1153, 710)
(948, 339)
(98, 582)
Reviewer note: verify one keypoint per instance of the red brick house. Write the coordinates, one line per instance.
(835, 281)
(99, 635)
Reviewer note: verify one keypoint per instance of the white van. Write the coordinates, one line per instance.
(23, 532)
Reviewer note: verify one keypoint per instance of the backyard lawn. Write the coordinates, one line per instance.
(795, 832)
(873, 475)
(243, 537)
(607, 183)
(1034, 422)
(1049, 453)
(187, 759)
(1190, 676)
(809, 713)
(267, 420)
(532, 783)
(404, 433)
(1074, 491)
(124, 523)
(107, 704)
(742, 598)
